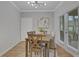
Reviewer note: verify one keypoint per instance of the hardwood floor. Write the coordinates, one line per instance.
(62, 53)
(19, 51)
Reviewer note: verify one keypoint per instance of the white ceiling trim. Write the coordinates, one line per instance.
(58, 5)
(37, 11)
(29, 10)
(15, 6)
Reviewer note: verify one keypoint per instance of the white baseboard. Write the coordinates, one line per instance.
(22, 39)
(60, 44)
(1, 54)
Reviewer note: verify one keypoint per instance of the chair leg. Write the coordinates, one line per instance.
(26, 48)
(54, 52)
(30, 53)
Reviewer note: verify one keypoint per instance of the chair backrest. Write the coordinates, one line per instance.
(52, 42)
(33, 38)
(30, 34)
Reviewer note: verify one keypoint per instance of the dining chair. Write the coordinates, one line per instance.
(37, 45)
(34, 44)
(53, 45)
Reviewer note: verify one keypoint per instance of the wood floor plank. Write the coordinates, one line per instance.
(19, 51)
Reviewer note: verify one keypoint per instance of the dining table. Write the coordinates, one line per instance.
(45, 41)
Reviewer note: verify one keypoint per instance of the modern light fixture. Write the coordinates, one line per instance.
(36, 4)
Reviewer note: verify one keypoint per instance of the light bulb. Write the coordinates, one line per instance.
(28, 2)
(36, 7)
(32, 4)
(45, 4)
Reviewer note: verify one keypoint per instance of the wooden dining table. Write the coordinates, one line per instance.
(44, 38)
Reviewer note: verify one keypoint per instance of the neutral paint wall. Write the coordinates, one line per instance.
(65, 7)
(9, 26)
(36, 16)
(26, 26)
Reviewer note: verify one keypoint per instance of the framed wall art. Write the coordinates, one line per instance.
(43, 23)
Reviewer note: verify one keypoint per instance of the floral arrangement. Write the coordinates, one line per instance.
(41, 29)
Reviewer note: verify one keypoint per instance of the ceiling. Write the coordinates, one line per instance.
(22, 6)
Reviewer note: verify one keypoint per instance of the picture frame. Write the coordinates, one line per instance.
(43, 23)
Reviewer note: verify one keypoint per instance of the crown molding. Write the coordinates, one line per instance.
(58, 5)
(29, 10)
(15, 5)
(37, 11)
